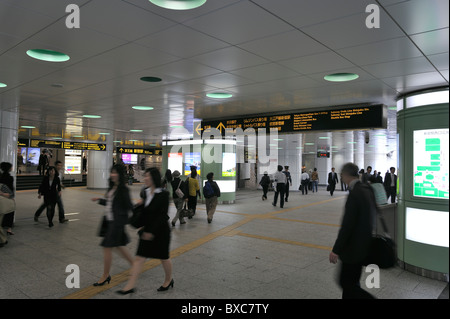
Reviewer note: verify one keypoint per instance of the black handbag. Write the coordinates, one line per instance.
(328, 188)
(186, 212)
(382, 249)
(103, 227)
(136, 220)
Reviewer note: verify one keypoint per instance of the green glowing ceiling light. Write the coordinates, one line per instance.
(136, 131)
(2, 85)
(48, 55)
(341, 77)
(92, 116)
(143, 108)
(219, 95)
(178, 4)
(26, 126)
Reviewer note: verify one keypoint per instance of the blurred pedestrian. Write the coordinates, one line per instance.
(50, 188)
(8, 191)
(178, 197)
(265, 182)
(280, 180)
(154, 236)
(211, 192)
(117, 204)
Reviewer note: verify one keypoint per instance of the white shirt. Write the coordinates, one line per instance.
(392, 180)
(280, 178)
(108, 209)
(149, 195)
(305, 176)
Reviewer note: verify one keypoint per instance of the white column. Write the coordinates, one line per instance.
(359, 149)
(323, 164)
(342, 151)
(9, 126)
(100, 164)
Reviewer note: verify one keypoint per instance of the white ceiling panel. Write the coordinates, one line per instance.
(284, 46)
(417, 16)
(182, 41)
(353, 31)
(138, 23)
(383, 51)
(185, 69)
(432, 42)
(445, 74)
(228, 59)
(301, 13)
(182, 15)
(423, 79)
(266, 72)
(238, 23)
(400, 68)
(21, 22)
(321, 62)
(51, 8)
(224, 80)
(440, 61)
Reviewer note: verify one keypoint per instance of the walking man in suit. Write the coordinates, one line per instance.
(355, 236)
(332, 180)
(390, 184)
(288, 182)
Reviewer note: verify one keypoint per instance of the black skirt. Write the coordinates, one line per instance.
(157, 248)
(114, 236)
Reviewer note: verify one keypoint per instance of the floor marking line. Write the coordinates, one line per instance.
(285, 241)
(89, 292)
(305, 221)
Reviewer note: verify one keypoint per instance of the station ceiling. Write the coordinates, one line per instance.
(272, 56)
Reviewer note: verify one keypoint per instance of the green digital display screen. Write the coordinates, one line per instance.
(431, 160)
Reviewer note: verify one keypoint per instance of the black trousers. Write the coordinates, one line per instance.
(265, 190)
(286, 191)
(349, 281)
(60, 209)
(332, 188)
(281, 187)
(192, 203)
(305, 187)
(50, 211)
(8, 220)
(391, 192)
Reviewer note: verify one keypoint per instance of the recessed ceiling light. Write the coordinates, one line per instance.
(176, 126)
(79, 136)
(312, 153)
(324, 138)
(178, 4)
(278, 139)
(143, 108)
(2, 85)
(273, 145)
(380, 135)
(334, 146)
(152, 79)
(309, 143)
(136, 131)
(351, 142)
(132, 140)
(104, 133)
(57, 85)
(219, 95)
(117, 141)
(341, 77)
(57, 138)
(92, 116)
(26, 126)
(48, 55)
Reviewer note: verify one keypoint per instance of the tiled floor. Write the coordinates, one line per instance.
(252, 250)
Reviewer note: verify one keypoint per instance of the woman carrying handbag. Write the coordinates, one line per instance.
(154, 234)
(117, 205)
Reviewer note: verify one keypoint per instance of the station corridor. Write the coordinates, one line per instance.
(251, 250)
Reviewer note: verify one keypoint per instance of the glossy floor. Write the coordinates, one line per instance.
(250, 250)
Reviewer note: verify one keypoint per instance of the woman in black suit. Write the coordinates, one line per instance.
(154, 236)
(7, 180)
(51, 190)
(118, 204)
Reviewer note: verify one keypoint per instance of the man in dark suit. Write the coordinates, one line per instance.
(332, 180)
(288, 182)
(355, 236)
(390, 184)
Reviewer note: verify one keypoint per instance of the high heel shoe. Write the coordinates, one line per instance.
(166, 288)
(97, 284)
(126, 292)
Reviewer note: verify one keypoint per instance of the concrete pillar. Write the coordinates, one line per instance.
(323, 164)
(100, 164)
(9, 126)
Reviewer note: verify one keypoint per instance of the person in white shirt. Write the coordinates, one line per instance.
(280, 180)
(304, 182)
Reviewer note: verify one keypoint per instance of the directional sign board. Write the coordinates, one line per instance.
(68, 145)
(374, 116)
(139, 151)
